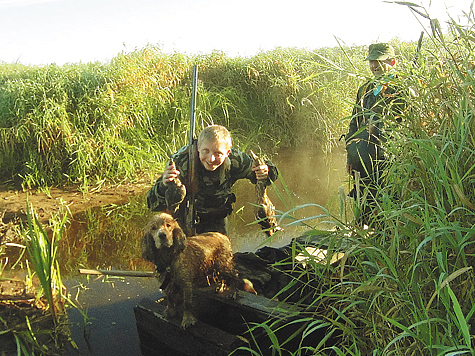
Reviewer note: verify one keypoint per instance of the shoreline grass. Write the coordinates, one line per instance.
(86, 123)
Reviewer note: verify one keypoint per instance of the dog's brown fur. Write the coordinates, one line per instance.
(187, 262)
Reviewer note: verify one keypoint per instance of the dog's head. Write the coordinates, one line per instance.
(164, 232)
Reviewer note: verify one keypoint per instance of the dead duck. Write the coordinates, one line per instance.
(264, 210)
(175, 194)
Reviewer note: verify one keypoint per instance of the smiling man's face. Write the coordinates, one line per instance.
(213, 154)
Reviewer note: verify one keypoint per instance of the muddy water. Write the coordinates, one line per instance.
(110, 238)
(306, 177)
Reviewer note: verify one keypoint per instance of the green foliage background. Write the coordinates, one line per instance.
(88, 123)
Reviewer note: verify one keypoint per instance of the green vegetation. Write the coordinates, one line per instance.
(42, 251)
(27, 329)
(406, 288)
(95, 123)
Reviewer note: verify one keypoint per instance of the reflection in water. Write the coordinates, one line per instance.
(106, 237)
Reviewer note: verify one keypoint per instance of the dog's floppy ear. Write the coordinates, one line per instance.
(179, 238)
(148, 248)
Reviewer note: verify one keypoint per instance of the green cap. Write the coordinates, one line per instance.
(380, 52)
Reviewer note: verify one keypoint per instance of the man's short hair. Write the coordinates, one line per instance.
(216, 133)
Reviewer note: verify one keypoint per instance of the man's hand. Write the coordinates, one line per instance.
(170, 173)
(262, 171)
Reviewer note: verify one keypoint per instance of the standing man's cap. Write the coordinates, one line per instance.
(380, 52)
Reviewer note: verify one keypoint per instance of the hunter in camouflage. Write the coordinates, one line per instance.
(213, 200)
(378, 102)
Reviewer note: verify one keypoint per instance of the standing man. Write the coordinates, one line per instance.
(377, 101)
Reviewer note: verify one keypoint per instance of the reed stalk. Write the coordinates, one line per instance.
(42, 250)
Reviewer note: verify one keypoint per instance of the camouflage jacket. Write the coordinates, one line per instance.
(376, 101)
(213, 197)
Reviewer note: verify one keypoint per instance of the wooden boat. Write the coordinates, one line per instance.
(222, 326)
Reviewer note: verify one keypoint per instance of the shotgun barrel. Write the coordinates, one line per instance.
(191, 185)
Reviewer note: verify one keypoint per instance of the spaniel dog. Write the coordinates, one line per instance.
(185, 262)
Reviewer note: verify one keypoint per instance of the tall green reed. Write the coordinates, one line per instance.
(42, 250)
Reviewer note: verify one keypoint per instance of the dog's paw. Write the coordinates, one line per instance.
(188, 320)
(221, 288)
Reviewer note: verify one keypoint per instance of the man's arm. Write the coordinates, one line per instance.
(241, 165)
(156, 196)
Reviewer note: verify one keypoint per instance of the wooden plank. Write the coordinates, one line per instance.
(318, 255)
(159, 336)
(237, 315)
(11, 289)
(116, 273)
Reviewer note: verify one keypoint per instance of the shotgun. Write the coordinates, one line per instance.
(192, 183)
